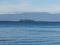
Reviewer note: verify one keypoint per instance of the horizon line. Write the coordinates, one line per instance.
(31, 12)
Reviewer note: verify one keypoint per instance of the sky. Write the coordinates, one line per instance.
(18, 6)
(21, 6)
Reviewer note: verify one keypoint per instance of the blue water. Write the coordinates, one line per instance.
(29, 34)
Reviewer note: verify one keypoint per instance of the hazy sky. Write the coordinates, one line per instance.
(17, 6)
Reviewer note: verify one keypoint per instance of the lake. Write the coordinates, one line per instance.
(30, 34)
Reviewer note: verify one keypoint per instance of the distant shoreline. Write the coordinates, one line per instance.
(31, 21)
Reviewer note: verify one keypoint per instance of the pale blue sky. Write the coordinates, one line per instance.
(13, 6)
(45, 3)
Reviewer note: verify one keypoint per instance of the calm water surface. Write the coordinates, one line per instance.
(30, 35)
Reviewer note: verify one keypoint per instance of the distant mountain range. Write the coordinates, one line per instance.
(37, 16)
